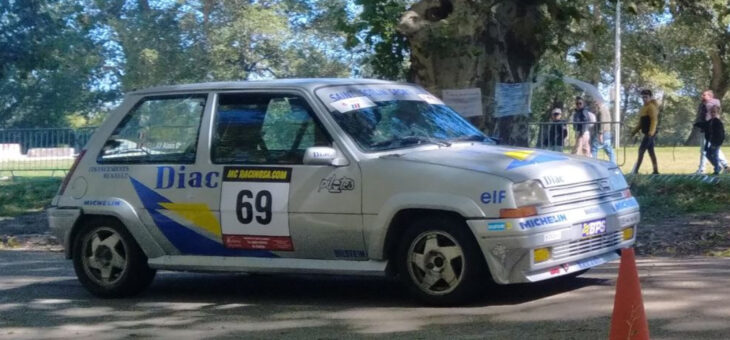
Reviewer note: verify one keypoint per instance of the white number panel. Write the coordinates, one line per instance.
(254, 208)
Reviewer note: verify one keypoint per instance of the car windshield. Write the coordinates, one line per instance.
(387, 117)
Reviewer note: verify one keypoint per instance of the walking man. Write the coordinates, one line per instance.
(648, 119)
(703, 114)
(583, 121)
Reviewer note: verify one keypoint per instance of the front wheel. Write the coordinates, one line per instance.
(108, 261)
(440, 262)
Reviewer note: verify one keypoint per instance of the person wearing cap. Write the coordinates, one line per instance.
(556, 131)
(703, 115)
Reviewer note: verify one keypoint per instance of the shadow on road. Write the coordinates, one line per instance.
(40, 298)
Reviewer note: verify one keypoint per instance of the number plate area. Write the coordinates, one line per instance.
(254, 208)
(593, 228)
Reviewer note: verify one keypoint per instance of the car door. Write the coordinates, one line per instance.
(152, 162)
(270, 200)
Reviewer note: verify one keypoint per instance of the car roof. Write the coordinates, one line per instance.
(304, 83)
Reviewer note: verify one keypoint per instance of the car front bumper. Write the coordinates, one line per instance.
(509, 245)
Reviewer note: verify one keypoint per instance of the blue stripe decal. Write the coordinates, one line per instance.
(185, 240)
(539, 158)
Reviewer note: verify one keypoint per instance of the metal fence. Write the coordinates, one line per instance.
(54, 149)
(48, 149)
(563, 137)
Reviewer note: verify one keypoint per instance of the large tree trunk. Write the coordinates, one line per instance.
(466, 44)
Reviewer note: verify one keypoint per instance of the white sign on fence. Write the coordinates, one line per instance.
(513, 99)
(467, 102)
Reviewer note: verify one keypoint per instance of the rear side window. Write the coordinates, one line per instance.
(157, 130)
(264, 129)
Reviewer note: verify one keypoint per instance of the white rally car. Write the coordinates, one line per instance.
(329, 176)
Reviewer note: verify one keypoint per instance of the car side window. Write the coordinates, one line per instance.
(157, 130)
(264, 129)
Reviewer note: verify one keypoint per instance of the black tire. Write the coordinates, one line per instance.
(108, 261)
(431, 282)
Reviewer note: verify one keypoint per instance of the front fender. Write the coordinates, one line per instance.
(376, 226)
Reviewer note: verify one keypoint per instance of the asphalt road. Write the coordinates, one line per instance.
(40, 298)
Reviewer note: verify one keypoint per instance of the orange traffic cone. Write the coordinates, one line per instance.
(628, 320)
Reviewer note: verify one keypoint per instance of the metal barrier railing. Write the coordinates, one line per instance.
(547, 135)
(46, 149)
(54, 149)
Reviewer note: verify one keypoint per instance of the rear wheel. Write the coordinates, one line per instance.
(108, 261)
(440, 262)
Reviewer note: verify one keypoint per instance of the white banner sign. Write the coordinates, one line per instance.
(513, 99)
(467, 102)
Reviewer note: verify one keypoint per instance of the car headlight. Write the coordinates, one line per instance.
(617, 180)
(529, 193)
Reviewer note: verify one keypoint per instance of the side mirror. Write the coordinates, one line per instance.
(322, 155)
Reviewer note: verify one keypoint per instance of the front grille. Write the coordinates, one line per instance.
(587, 245)
(578, 192)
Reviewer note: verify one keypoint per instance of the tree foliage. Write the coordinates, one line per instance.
(64, 61)
(45, 47)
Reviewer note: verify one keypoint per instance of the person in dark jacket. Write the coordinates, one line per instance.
(703, 115)
(714, 137)
(648, 120)
(556, 131)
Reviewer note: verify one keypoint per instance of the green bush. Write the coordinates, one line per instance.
(661, 196)
(27, 194)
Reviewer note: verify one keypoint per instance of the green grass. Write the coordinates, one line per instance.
(671, 160)
(38, 167)
(677, 196)
(26, 194)
(30, 191)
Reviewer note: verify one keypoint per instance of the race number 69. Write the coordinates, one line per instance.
(261, 203)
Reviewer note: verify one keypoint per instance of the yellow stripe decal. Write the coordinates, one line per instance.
(198, 213)
(519, 155)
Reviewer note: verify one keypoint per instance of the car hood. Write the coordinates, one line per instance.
(515, 164)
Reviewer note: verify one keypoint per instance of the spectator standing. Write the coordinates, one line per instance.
(583, 121)
(556, 131)
(602, 138)
(703, 114)
(714, 136)
(648, 119)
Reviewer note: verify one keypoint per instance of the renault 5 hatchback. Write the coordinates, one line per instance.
(329, 176)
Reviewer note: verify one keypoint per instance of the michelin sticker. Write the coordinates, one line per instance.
(102, 203)
(254, 208)
(542, 221)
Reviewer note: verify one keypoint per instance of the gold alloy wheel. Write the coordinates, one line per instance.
(436, 262)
